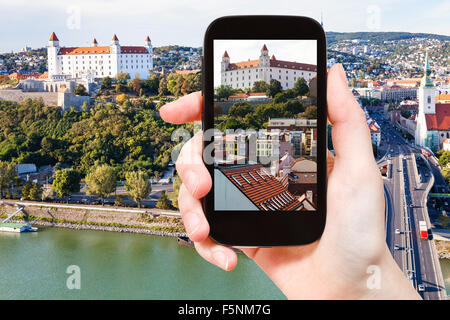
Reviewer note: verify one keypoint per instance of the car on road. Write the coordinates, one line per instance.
(397, 231)
(421, 287)
(396, 247)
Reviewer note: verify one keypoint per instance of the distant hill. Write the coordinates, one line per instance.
(378, 37)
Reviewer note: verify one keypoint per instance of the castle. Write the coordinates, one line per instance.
(98, 61)
(241, 75)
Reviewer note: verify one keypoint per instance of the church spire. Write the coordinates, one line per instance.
(426, 80)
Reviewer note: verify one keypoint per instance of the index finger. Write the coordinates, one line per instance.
(186, 109)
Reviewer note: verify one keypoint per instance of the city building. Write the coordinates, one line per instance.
(98, 61)
(244, 74)
(433, 119)
(306, 126)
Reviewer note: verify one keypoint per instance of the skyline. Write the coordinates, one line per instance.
(78, 24)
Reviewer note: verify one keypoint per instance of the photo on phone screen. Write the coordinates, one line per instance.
(265, 125)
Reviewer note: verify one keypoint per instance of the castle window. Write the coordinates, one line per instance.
(429, 99)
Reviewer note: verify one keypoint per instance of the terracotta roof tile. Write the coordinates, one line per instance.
(261, 188)
(441, 119)
(84, 50)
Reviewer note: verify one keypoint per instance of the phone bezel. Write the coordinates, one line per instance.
(254, 228)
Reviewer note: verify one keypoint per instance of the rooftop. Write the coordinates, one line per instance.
(260, 187)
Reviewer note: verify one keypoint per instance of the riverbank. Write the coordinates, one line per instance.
(443, 249)
(97, 218)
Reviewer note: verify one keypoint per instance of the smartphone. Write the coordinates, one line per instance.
(265, 130)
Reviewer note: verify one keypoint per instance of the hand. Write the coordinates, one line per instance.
(337, 265)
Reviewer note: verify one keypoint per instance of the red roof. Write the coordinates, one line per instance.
(95, 41)
(115, 38)
(225, 54)
(441, 119)
(293, 65)
(264, 48)
(100, 50)
(147, 39)
(261, 188)
(53, 37)
(273, 57)
(84, 50)
(133, 49)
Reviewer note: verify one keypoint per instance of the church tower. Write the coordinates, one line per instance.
(225, 61)
(52, 53)
(264, 57)
(427, 92)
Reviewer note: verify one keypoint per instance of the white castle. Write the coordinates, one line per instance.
(245, 74)
(98, 61)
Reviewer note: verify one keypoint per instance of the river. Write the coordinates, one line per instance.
(123, 266)
(119, 266)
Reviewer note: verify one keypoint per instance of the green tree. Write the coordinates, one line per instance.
(176, 189)
(35, 193)
(8, 173)
(274, 88)
(310, 113)
(444, 158)
(260, 86)
(136, 84)
(138, 185)
(26, 190)
(224, 92)
(123, 77)
(163, 202)
(162, 89)
(174, 83)
(80, 90)
(106, 83)
(279, 98)
(301, 87)
(152, 84)
(66, 182)
(101, 181)
(240, 109)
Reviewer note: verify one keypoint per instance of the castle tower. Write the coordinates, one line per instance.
(427, 92)
(115, 51)
(264, 57)
(52, 52)
(94, 43)
(148, 45)
(225, 61)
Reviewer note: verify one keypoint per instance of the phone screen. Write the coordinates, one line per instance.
(265, 125)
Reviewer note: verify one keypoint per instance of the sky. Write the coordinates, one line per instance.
(304, 51)
(183, 22)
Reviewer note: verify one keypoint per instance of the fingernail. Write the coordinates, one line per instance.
(190, 179)
(221, 259)
(192, 223)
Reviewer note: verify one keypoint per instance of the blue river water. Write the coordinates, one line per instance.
(119, 266)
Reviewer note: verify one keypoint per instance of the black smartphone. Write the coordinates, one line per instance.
(265, 130)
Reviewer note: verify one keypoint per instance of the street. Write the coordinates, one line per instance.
(407, 184)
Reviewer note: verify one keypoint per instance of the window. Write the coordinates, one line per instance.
(429, 99)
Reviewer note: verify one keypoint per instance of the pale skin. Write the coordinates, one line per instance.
(337, 266)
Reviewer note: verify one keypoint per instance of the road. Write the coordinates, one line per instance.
(406, 187)
(149, 202)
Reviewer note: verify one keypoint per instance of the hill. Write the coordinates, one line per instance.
(378, 37)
